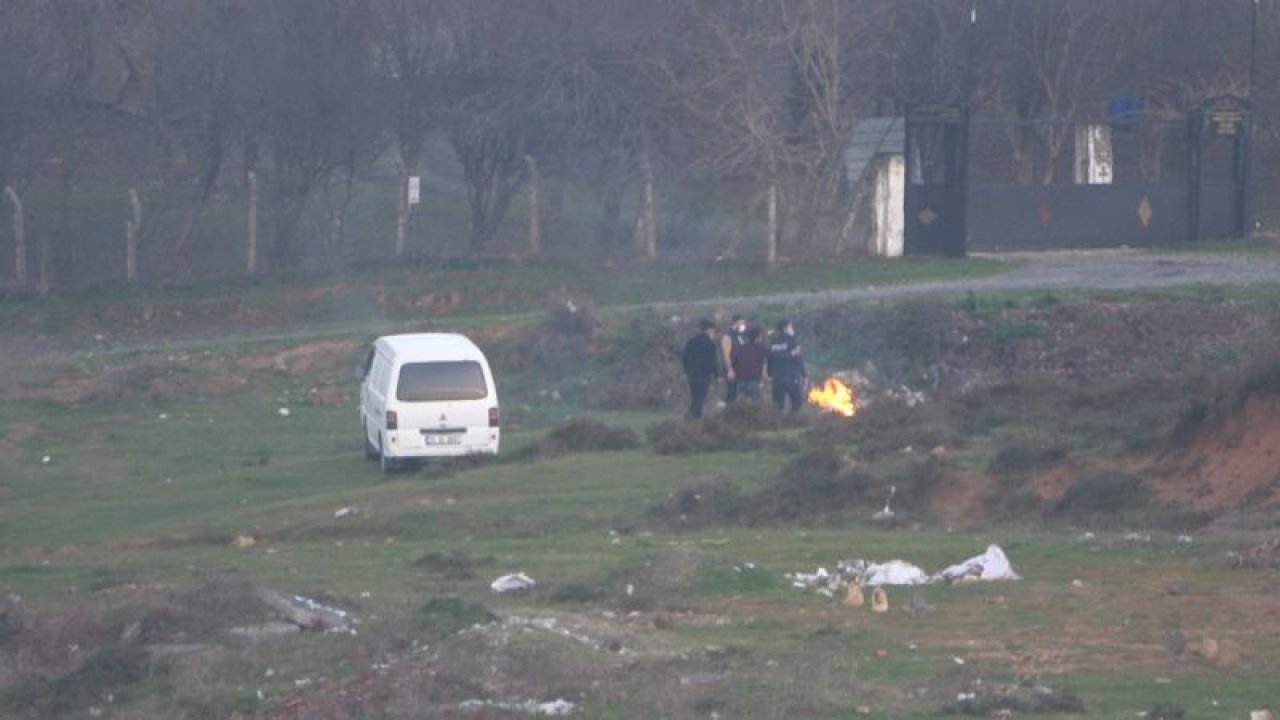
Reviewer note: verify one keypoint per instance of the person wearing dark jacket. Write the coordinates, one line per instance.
(786, 367)
(748, 362)
(700, 366)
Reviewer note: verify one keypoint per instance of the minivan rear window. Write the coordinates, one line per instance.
(441, 381)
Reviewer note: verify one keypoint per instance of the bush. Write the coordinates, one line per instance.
(564, 340)
(111, 670)
(887, 427)
(1107, 493)
(455, 565)
(445, 615)
(1017, 459)
(640, 368)
(712, 434)
(698, 502)
(812, 485)
(586, 435)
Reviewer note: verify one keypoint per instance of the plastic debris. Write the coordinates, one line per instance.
(992, 565)
(344, 512)
(513, 583)
(879, 600)
(283, 412)
(554, 708)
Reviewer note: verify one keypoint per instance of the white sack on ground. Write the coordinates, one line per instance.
(990, 565)
(515, 582)
(894, 572)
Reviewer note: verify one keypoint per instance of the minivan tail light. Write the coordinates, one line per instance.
(494, 417)
(393, 422)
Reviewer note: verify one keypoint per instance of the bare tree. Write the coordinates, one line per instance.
(503, 101)
(20, 55)
(413, 43)
(307, 84)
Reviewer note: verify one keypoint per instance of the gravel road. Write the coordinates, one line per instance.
(1086, 269)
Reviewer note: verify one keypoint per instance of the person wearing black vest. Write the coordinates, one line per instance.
(786, 367)
(699, 361)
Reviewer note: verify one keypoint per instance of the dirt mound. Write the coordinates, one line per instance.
(1229, 458)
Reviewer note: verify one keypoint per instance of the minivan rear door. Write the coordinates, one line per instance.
(444, 400)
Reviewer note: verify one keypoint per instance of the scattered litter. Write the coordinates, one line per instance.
(344, 512)
(265, 631)
(1086, 537)
(244, 541)
(164, 416)
(1259, 557)
(879, 600)
(1137, 537)
(283, 412)
(513, 583)
(46, 459)
(992, 565)
(307, 613)
(555, 708)
(1185, 539)
(887, 513)
(1077, 583)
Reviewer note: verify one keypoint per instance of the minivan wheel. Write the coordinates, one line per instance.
(371, 451)
(389, 465)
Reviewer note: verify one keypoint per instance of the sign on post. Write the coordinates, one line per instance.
(415, 185)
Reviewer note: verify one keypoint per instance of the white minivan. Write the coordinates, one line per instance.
(427, 395)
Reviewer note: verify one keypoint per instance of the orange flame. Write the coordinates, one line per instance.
(835, 396)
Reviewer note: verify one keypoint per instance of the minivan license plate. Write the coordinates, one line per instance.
(442, 439)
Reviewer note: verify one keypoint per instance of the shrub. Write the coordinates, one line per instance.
(888, 427)
(1106, 493)
(445, 615)
(699, 502)
(712, 434)
(1016, 459)
(565, 336)
(640, 368)
(586, 435)
(812, 485)
(455, 565)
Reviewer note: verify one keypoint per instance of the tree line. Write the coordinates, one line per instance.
(288, 106)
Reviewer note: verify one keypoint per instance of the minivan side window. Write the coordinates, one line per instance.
(441, 381)
(368, 363)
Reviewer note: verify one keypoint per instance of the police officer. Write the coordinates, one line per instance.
(786, 367)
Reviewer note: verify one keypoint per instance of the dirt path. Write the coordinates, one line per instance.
(1086, 269)
(1090, 269)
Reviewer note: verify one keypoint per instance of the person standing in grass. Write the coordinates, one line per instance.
(748, 363)
(730, 342)
(700, 366)
(786, 367)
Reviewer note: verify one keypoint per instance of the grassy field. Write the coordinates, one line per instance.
(662, 588)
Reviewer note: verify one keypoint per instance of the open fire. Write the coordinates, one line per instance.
(836, 397)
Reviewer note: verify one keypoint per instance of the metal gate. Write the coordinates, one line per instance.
(934, 194)
(1138, 181)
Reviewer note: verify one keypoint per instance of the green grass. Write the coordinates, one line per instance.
(148, 491)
